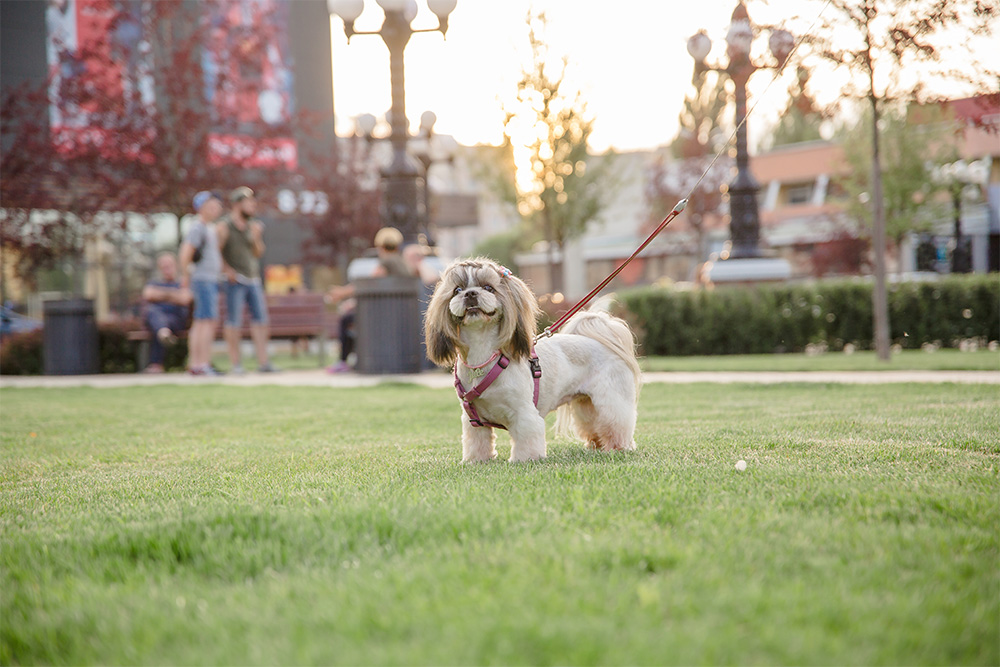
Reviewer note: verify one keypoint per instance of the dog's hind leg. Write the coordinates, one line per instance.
(614, 422)
(585, 421)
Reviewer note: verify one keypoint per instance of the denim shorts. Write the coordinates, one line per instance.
(253, 295)
(206, 299)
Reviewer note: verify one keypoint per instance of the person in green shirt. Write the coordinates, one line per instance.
(241, 239)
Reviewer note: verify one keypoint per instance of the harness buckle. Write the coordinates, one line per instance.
(536, 367)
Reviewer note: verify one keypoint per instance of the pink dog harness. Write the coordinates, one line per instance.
(468, 396)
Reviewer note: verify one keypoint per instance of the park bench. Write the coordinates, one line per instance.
(292, 316)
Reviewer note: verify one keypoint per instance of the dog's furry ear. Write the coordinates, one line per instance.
(440, 332)
(520, 318)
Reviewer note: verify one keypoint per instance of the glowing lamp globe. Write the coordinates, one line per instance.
(699, 45)
(348, 10)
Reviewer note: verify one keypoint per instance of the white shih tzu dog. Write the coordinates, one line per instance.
(482, 320)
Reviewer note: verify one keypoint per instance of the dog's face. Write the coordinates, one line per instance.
(479, 297)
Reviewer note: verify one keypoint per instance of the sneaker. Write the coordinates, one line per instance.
(237, 370)
(166, 336)
(339, 367)
(153, 369)
(267, 368)
(210, 371)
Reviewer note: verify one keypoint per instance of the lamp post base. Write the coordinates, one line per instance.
(749, 270)
(401, 202)
(744, 217)
(961, 257)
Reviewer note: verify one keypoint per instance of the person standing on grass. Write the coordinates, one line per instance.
(241, 238)
(201, 266)
(166, 310)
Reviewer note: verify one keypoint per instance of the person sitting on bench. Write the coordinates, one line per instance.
(166, 310)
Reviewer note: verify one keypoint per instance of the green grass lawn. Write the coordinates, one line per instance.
(230, 525)
(941, 360)
(908, 360)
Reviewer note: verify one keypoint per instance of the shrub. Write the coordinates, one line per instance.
(117, 353)
(787, 318)
(22, 354)
(176, 357)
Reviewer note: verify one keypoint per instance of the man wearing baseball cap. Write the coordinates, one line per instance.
(201, 264)
(241, 240)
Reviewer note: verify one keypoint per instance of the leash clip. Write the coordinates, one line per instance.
(545, 334)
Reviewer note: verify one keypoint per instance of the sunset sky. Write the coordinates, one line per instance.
(630, 61)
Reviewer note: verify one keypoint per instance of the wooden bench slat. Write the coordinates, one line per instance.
(290, 316)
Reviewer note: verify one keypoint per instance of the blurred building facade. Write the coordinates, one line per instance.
(804, 215)
(117, 46)
(804, 212)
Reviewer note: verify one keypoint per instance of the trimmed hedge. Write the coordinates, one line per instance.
(786, 318)
(22, 354)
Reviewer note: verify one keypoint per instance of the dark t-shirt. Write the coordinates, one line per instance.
(238, 251)
(166, 307)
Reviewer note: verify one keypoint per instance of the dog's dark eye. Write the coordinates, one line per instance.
(457, 290)
(488, 288)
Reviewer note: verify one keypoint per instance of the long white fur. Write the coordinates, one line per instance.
(589, 368)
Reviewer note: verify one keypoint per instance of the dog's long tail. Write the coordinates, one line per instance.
(612, 332)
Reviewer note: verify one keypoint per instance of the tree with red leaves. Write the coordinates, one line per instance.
(150, 103)
(348, 226)
(56, 197)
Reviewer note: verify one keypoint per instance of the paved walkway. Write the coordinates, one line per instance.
(441, 380)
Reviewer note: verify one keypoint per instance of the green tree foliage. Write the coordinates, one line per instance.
(566, 190)
(494, 167)
(702, 134)
(502, 248)
(909, 151)
(801, 119)
(893, 50)
(702, 120)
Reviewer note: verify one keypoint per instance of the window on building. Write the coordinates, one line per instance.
(800, 194)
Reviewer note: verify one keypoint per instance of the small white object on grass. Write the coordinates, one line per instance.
(741, 465)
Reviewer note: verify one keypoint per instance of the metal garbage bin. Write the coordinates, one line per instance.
(387, 325)
(69, 338)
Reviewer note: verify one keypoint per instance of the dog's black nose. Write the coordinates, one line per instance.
(471, 299)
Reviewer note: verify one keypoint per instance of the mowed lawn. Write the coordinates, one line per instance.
(229, 525)
(946, 359)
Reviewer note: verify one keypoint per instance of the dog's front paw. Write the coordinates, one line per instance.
(479, 457)
(523, 454)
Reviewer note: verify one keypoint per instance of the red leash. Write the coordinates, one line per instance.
(549, 330)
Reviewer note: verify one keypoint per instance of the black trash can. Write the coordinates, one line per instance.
(69, 338)
(387, 325)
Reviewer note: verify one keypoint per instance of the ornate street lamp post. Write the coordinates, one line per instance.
(427, 148)
(431, 149)
(744, 215)
(400, 178)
